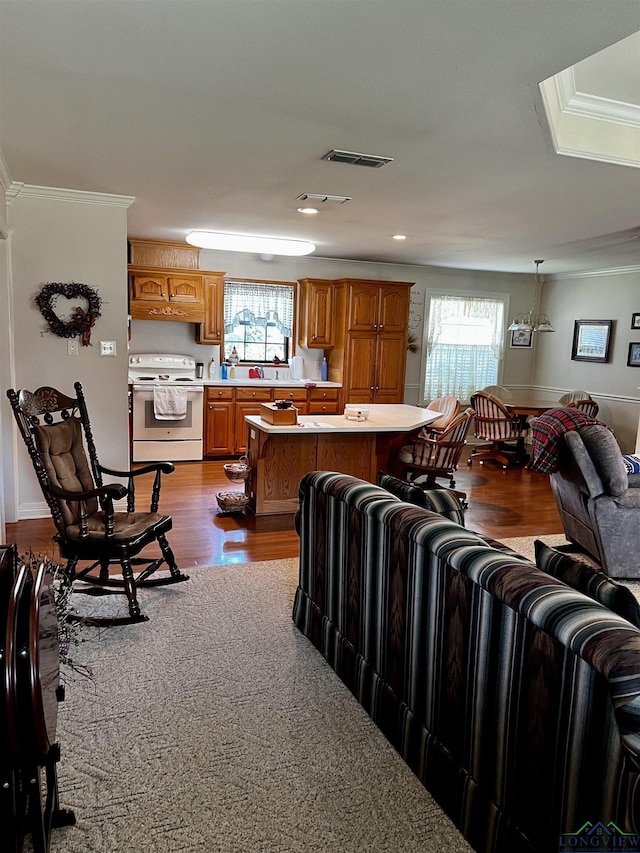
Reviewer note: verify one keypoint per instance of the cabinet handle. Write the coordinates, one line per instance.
(381, 327)
(372, 388)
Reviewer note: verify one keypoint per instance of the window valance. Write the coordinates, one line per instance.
(253, 303)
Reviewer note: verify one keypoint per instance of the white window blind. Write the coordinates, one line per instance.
(464, 344)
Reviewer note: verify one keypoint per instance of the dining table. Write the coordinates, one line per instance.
(530, 408)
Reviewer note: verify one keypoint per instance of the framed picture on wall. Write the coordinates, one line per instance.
(633, 359)
(591, 340)
(635, 321)
(521, 338)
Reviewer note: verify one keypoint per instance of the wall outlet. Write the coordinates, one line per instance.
(107, 347)
(72, 346)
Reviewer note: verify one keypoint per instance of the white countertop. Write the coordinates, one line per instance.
(267, 383)
(382, 418)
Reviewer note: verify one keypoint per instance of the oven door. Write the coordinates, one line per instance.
(157, 440)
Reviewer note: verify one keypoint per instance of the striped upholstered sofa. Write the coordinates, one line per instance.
(514, 698)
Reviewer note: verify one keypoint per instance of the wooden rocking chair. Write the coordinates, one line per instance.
(53, 426)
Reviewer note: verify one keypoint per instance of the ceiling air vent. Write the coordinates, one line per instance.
(320, 198)
(357, 159)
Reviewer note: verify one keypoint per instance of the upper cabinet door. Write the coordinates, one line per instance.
(151, 288)
(210, 331)
(317, 314)
(393, 315)
(185, 288)
(362, 307)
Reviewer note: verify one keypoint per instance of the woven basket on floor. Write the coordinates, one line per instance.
(232, 501)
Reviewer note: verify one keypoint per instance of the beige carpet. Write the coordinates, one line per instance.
(216, 726)
(525, 545)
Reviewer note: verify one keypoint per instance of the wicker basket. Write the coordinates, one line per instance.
(237, 471)
(232, 501)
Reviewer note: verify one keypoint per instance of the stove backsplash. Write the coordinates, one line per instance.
(165, 336)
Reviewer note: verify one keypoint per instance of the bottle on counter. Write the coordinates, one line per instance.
(212, 369)
(323, 370)
(232, 371)
(223, 370)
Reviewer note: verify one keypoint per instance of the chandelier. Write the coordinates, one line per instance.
(531, 322)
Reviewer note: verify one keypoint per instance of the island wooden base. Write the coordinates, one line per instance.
(278, 462)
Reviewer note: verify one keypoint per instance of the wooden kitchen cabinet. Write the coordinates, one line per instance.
(377, 307)
(219, 422)
(317, 313)
(210, 330)
(173, 294)
(248, 403)
(165, 295)
(298, 397)
(324, 401)
(369, 358)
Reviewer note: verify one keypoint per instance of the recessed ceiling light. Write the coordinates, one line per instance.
(399, 236)
(220, 242)
(310, 211)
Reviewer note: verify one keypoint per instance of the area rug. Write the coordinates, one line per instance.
(216, 726)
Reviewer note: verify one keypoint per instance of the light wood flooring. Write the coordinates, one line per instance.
(502, 504)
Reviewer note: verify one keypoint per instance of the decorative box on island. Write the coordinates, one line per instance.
(279, 413)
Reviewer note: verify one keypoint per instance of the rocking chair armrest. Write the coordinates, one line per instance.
(115, 491)
(163, 467)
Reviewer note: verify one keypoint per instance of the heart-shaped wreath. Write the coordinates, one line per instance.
(81, 321)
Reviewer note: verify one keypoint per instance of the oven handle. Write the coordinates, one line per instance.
(194, 389)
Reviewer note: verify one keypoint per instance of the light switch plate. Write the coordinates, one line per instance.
(72, 346)
(107, 347)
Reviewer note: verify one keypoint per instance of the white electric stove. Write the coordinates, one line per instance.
(163, 440)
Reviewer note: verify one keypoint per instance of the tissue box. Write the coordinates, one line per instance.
(270, 413)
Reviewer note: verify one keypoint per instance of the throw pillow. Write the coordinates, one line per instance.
(437, 500)
(583, 578)
(606, 455)
(631, 463)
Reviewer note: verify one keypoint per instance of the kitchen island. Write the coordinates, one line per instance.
(280, 455)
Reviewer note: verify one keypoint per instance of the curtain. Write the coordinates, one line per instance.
(252, 303)
(464, 344)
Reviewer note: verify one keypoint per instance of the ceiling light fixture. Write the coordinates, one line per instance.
(308, 211)
(398, 236)
(530, 322)
(220, 242)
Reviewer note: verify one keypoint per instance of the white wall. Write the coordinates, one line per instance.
(149, 335)
(63, 236)
(603, 296)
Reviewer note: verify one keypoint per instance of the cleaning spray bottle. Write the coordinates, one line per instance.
(323, 370)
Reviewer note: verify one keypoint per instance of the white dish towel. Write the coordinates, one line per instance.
(169, 404)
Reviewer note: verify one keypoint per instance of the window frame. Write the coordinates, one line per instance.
(291, 340)
(470, 294)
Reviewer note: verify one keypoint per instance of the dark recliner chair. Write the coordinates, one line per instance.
(598, 502)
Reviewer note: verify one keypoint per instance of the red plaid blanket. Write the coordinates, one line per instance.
(546, 436)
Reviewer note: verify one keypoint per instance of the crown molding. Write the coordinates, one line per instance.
(595, 273)
(583, 105)
(57, 194)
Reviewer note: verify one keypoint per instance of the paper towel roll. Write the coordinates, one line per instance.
(296, 366)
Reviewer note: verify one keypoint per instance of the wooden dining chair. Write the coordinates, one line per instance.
(438, 456)
(449, 408)
(582, 401)
(504, 432)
